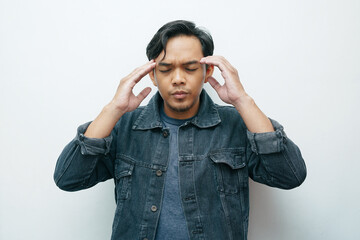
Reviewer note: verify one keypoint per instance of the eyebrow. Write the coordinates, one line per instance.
(165, 64)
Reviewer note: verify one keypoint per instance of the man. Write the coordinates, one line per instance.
(181, 164)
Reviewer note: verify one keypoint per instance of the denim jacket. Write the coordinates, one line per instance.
(217, 155)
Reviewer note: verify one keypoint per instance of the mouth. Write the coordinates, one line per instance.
(180, 94)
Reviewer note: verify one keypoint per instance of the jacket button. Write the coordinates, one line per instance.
(159, 173)
(81, 137)
(153, 208)
(165, 133)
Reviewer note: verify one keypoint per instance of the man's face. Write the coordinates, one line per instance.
(180, 77)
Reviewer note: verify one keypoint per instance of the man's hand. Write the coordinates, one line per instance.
(233, 92)
(123, 101)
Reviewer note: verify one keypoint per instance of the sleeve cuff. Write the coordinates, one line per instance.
(268, 142)
(92, 146)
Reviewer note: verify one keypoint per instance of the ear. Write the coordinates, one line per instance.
(209, 72)
(152, 77)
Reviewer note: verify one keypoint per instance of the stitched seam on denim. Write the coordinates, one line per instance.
(86, 181)
(290, 163)
(90, 150)
(197, 203)
(226, 213)
(265, 164)
(266, 168)
(68, 164)
(251, 139)
(139, 163)
(192, 158)
(182, 202)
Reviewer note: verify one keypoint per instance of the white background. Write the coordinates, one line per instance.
(61, 61)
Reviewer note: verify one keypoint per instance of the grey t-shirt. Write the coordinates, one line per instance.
(172, 223)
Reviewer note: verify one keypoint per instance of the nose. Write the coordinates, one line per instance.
(178, 77)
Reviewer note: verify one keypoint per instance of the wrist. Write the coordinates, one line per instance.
(243, 102)
(113, 110)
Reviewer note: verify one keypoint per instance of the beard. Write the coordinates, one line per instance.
(181, 108)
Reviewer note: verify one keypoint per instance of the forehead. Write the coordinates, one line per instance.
(182, 49)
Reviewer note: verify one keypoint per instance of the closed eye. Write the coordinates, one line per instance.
(165, 71)
(191, 69)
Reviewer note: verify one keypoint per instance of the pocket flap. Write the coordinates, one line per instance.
(123, 169)
(234, 158)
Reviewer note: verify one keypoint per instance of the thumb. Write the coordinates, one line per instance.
(143, 94)
(214, 83)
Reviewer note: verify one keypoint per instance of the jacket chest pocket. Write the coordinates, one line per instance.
(123, 177)
(230, 170)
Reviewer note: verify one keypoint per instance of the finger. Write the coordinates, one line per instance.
(226, 69)
(218, 59)
(214, 83)
(142, 71)
(135, 76)
(214, 60)
(143, 94)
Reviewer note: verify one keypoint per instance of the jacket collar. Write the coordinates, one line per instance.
(149, 117)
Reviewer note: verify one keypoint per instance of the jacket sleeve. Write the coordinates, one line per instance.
(274, 160)
(84, 161)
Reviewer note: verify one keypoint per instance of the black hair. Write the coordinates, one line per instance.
(178, 28)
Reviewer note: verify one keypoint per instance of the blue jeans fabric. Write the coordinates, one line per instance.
(217, 156)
